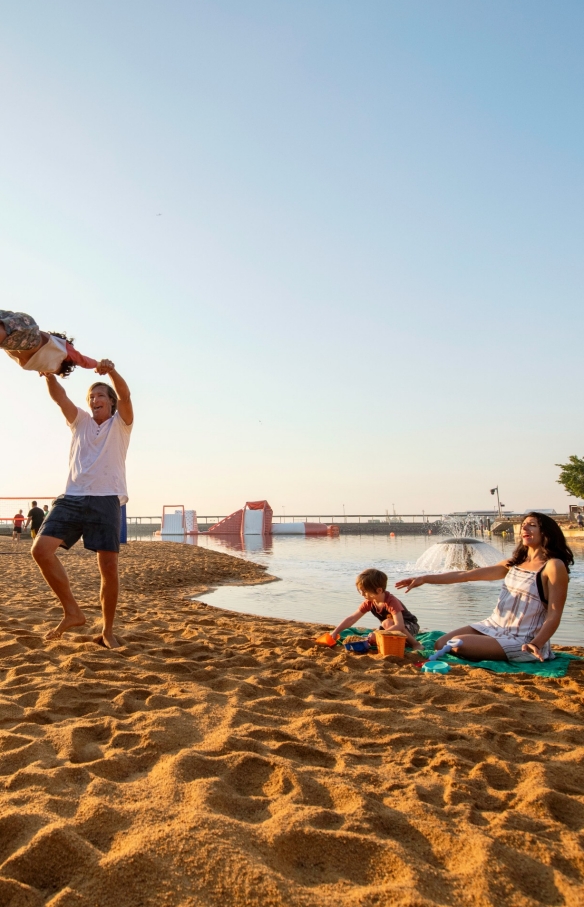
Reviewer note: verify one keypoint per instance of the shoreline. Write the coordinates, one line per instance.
(222, 758)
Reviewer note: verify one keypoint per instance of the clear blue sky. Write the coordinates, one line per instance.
(365, 283)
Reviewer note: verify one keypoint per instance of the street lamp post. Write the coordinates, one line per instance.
(495, 490)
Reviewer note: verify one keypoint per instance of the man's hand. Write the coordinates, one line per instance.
(105, 367)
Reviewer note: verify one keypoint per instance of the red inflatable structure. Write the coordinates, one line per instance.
(256, 519)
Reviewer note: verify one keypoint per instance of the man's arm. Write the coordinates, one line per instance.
(125, 408)
(57, 392)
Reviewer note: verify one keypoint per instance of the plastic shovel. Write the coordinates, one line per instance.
(326, 640)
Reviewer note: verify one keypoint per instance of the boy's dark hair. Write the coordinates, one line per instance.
(371, 580)
(110, 392)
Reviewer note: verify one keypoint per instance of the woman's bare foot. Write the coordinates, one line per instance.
(75, 619)
(108, 641)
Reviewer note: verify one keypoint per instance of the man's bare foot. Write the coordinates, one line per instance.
(69, 621)
(108, 641)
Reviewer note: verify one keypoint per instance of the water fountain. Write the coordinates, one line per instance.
(461, 550)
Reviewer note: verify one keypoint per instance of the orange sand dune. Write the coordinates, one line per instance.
(219, 759)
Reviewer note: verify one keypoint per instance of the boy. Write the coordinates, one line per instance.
(388, 609)
(36, 350)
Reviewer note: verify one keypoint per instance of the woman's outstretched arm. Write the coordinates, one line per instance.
(484, 574)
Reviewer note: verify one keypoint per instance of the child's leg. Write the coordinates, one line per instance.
(412, 641)
(18, 331)
(390, 624)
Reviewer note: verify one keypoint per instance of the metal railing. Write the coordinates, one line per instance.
(310, 518)
(391, 518)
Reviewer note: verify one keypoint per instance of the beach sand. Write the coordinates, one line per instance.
(221, 759)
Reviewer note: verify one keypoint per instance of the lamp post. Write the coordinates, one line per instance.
(495, 490)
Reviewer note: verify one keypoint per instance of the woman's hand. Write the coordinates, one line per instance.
(411, 583)
(534, 650)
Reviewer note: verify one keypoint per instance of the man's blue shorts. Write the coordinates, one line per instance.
(95, 517)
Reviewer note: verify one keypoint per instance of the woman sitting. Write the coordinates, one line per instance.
(531, 602)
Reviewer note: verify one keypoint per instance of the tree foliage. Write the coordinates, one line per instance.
(572, 476)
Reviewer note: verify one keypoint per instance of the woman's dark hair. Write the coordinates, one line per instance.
(67, 365)
(553, 542)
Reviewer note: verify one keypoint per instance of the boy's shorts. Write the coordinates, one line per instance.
(95, 517)
(17, 529)
(22, 330)
(412, 626)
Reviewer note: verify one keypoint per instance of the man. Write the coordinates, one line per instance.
(90, 507)
(35, 517)
(46, 510)
(17, 521)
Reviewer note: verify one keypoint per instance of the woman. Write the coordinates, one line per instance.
(531, 602)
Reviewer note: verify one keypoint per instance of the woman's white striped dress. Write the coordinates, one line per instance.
(519, 614)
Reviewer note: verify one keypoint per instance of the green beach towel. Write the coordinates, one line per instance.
(557, 667)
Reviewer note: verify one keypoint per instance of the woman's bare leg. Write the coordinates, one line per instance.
(462, 631)
(479, 646)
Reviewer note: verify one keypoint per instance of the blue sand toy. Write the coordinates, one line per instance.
(361, 646)
(445, 650)
(436, 667)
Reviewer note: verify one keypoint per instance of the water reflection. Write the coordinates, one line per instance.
(250, 544)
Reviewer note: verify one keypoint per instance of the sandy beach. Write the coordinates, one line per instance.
(224, 759)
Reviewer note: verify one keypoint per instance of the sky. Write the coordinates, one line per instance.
(335, 248)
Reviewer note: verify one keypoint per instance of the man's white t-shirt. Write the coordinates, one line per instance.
(97, 459)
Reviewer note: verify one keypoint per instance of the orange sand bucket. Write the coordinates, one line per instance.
(389, 643)
(326, 640)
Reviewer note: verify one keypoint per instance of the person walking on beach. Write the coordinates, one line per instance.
(35, 519)
(95, 491)
(17, 521)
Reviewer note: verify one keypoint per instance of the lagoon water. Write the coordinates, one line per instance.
(317, 581)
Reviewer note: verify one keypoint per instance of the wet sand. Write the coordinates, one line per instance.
(222, 759)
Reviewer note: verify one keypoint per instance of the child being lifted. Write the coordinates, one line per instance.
(372, 585)
(36, 350)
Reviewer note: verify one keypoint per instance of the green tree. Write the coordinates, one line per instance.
(572, 476)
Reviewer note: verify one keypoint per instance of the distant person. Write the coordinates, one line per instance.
(389, 611)
(531, 601)
(35, 519)
(91, 505)
(580, 520)
(17, 521)
(46, 509)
